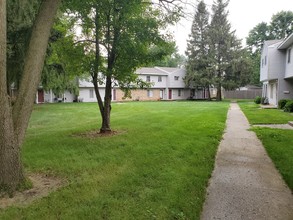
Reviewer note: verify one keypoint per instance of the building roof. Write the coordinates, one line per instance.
(271, 42)
(286, 43)
(150, 71)
(163, 71)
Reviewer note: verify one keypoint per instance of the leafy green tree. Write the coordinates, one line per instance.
(257, 36)
(173, 59)
(118, 37)
(63, 62)
(281, 25)
(198, 66)
(14, 117)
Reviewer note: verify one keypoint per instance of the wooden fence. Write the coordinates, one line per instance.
(243, 94)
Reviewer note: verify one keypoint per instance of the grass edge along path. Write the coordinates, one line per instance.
(277, 142)
(157, 168)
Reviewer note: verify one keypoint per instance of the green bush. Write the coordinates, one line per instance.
(289, 106)
(264, 101)
(257, 99)
(282, 103)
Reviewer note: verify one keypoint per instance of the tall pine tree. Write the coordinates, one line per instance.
(224, 45)
(197, 67)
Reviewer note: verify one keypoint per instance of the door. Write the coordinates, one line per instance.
(114, 94)
(161, 94)
(40, 96)
(170, 93)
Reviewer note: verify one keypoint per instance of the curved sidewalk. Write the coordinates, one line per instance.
(245, 183)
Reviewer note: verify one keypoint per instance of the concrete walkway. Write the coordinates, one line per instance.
(245, 183)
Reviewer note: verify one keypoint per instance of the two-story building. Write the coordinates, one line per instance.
(166, 84)
(276, 70)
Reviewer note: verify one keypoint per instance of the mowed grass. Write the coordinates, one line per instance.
(257, 115)
(157, 168)
(277, 142)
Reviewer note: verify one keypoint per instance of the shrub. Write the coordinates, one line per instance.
(264, 101)
(257, 100)
(282, 103)
(289, 106)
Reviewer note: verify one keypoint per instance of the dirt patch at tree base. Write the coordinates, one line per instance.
(97, 133)
(42, 186)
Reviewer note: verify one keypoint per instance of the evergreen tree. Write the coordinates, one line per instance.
(197, 66)
(224, 46)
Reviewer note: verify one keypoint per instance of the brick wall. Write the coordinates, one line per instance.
(139, 95)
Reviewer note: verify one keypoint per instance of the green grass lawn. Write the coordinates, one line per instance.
(157, 168)
(278, 142)
(257, 115)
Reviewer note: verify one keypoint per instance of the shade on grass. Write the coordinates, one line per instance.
(157, 168)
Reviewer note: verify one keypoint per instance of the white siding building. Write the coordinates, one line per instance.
(276, 70)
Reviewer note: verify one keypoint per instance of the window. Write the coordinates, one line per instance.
(91, 93)
(265, 60)
(150, 93)
(176, 78)
(159, 78)
(289, 55)
(148, 78)
(262, 62)
(272, 91)
(179, 92)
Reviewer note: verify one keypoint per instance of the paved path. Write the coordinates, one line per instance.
(245, 184)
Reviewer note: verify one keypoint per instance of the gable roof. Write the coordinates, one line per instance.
(286, 43)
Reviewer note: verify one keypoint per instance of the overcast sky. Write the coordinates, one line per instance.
(243, 16)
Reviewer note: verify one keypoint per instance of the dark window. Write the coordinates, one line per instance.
(179, 92)
(289, 55)
(159, 78)
(176, 78)
(148, 78)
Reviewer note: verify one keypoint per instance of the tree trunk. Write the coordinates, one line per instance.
(209, 93)
(14, 120)
(219, 92)
(11, 172)
(107, 107)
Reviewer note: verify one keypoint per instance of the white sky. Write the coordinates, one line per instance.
(243, 16)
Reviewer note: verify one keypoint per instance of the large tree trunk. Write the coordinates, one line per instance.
(11, 173)
(14, 120)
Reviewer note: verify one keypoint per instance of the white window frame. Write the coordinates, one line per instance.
(148, 78)
(159, 78)
(91, 91)
(149, 93)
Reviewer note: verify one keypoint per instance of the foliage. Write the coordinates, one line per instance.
(173, 60)
(281, 26)
(289, 106)
(257, 100)
(118, 37)
(129, 175)
(282, 103)
(20, 17)
(63, 62)
(225, 49)
(198, 66)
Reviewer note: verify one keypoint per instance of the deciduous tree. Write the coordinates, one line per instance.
(118, 38)
(14, 118)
